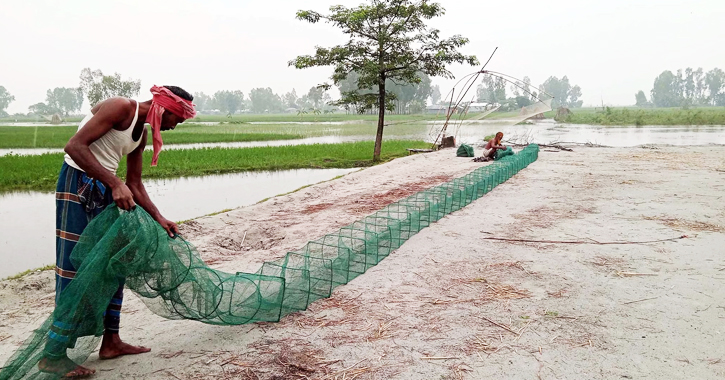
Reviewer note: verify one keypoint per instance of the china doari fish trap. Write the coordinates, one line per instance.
(174, 282)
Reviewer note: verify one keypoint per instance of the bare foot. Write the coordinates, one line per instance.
(65, 367)
(113, 347)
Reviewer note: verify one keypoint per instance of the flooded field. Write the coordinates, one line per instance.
(469, 132)
(27, 220)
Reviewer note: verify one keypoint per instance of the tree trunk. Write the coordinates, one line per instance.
(381, 118)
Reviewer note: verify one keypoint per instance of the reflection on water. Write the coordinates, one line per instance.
(27, 220)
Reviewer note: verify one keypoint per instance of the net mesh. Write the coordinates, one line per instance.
(470, 130)
(174, 282)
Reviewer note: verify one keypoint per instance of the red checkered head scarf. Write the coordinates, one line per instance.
(165, 100)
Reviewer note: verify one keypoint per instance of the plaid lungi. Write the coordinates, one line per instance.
(78, 199)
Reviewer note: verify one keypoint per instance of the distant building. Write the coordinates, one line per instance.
(441, 109)
(479, 107)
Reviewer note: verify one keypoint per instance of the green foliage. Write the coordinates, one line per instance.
(203, 102)
(29, 271)
(691, 88)
(402, 98)
(318, 97)
(387, 40)
(523, 101)
(651, 116)
(65, 100)
(564, 93)
(642, 99)
(99, 87)
(435, 94)
(666, 90)
(195, 162)
(5, 99)
(491, 90)
(229, 102)
(41, 109)
(264, 100)
(290, 99)
(715, 81)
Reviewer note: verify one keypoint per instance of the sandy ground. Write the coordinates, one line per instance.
(451, 304)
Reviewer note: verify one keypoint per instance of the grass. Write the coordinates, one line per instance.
(57, 137)
(646, 116)
(27, 272)
(39, 173)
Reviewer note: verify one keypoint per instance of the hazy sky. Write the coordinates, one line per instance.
(610, 48)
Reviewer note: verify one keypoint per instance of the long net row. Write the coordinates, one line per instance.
(174, 282)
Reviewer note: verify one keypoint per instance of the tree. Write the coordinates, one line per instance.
(666, 90)
(387, 40)
(355, 98)
(229, 102)
(641, 99)
(265, 100)
(715, 82)
(5, 99)
(700, 86)
(98, 87)
(315, 96)
(435, 94)
(526, 89)
(64, 100)
(41, 109)
(491, 90)
(689, 87)
(290, 99)
(203, 102)
(564, 94)
(523, 101)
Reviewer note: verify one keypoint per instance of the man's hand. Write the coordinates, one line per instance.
(123, 196)
(171, 228)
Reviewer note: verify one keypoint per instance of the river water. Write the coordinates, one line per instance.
(27, 220)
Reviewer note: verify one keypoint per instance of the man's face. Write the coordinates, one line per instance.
(169, 121)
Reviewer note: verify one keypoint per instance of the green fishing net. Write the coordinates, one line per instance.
(174, 282)
(501, 153)
(464, 151)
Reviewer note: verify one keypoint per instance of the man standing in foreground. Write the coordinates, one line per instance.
(88, 183)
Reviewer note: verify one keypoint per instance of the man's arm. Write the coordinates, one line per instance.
(134, 169)
(115, 111)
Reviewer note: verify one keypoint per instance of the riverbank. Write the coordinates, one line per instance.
(452, 304)
(40, 172)
(646, 116)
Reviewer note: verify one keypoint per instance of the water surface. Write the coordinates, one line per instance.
(27, 219)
